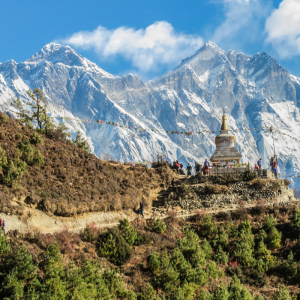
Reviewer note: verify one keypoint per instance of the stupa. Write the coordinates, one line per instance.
(225, 145)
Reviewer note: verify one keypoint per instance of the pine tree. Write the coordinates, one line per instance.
(17, 271)
(53, 285)
(283, 294)
(81, 143)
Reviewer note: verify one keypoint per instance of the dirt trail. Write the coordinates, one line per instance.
(50, 224)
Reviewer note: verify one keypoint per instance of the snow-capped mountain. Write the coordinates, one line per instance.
(255, 89)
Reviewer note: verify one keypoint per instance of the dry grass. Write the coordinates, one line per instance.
(73, 182)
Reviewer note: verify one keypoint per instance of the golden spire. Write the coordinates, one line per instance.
(224, 125)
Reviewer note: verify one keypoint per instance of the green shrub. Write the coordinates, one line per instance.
(159, 226)
(245, 227)
(244, 249)
(148, 293)
(88, 234)
(184, 292)
(30, 154)
(237, 291)
(220, 256)
(264, 258)
(36, 139)
(81, 143)
(212, 270)
(153, 261)
(128, 232)
(204, 295)
(18, 136)
(221, 293)
(167, 276)
(221, 240)
(283, 294)
(289, 267)
(269, 223)
(206, 247)
(274, 238)
(113, 246)
(3, 118)
(295, 222)
(208, 228)
(261, 237)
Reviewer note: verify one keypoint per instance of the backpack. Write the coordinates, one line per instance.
(1, 223)
(259, 162)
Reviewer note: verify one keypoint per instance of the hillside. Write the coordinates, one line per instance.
(62, 180)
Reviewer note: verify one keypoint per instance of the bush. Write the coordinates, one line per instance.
(221, 240)
(295, 222)
(206, 247)
(113, 246)
(153, 261)
(220, 256)
(283, 294)
(269, 223)
(88, 234)
(81, 143)
(212, 270)
(289, 267)
(244, 250)
(30, 154)
(265, 259)
(159, 226)
(274, 239)
(204, 295)
(36, 139)
(208, 228)
(148, 293)
(129, 233)
(221, 293)
(18, 136)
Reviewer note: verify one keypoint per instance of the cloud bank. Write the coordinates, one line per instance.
(283, 28)
(147, 49)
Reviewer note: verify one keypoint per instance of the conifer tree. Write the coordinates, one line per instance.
(81, 143)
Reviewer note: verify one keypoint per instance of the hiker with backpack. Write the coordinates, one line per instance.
(259, 163)
(141, 209)
(2, 224)
(206, 167)
(189, 170)
(275, 172)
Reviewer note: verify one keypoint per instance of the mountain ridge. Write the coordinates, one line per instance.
(256, 90)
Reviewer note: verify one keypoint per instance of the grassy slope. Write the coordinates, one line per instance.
(72, 181)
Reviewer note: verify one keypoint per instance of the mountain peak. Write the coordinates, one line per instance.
(57, 53)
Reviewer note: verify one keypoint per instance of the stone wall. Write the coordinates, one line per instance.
(214, 196)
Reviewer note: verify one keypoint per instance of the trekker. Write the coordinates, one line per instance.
(2, 224)
(142, 209)
(275, 172)
(271, 162)
(206, 167)
(189, 170)
(274, 164)
(259, 163)
(256, 167)
(177, 166)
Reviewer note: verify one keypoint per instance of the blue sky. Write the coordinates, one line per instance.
(150, 38)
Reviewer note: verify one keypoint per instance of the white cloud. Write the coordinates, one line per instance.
(283, 28)
(243, 21)
(148, 49)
